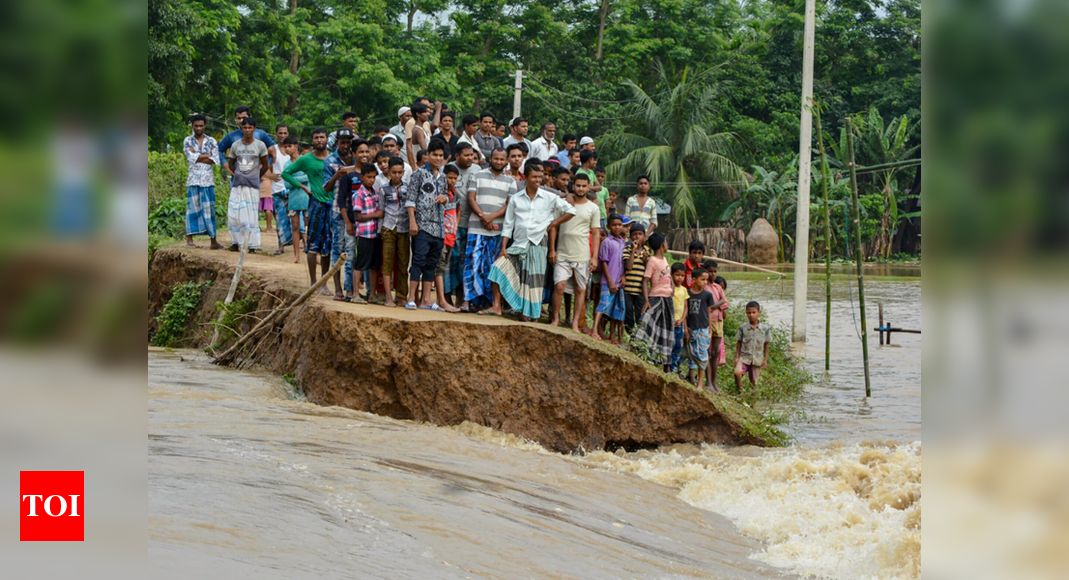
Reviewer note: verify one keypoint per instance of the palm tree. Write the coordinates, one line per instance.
(676, 148)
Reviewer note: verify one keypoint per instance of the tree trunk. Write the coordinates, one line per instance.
(490, 36)
(603, 13)
(411, 14)
(294, 58)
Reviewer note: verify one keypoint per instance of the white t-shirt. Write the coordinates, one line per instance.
(573, 237)
(281, 161)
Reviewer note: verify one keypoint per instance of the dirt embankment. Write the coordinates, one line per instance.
(563, 390)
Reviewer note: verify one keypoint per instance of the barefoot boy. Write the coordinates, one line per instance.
(449, 228)
(394, 236)
(679, 308)
(752, 342)
(697, 330)
(611, 303)
(368, 213)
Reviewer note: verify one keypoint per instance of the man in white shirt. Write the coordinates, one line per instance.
(544, 148)
(518, 129)
(519, 273)
(469, 125)
(404, 114)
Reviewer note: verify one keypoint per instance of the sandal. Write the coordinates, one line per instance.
(339, 298)
(191, 245)
(358, 300)
(410, 306)
(433, 306)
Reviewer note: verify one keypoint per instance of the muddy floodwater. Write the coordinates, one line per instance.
(248, 480)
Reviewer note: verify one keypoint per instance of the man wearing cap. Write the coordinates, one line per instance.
(518, 129)
(544, 148)
(404, 115)
(586, 143)
(336, 166)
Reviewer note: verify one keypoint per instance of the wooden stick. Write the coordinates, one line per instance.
(229, 354)
(678, 253)
(229, 293)
(881, 323)
(827, 241)
(857, 254)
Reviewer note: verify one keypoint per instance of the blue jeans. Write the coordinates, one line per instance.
(348, 246)
(677, 348)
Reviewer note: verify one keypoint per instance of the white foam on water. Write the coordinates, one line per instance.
(841, 511)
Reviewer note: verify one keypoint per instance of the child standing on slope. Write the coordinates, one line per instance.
(699, 300)
(752, 342)
(679, 309)
(657, 327)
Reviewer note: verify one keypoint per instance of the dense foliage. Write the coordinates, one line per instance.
(303, 62)
(171, 323)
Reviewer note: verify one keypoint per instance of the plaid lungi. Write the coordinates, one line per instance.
(200, 210)
(657, 327)
(520, 274)
(481, 253)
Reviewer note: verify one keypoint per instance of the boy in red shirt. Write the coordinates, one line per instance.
(449, 228)
(693, 262)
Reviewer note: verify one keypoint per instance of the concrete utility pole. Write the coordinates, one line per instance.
(519, 90)
(805, 142)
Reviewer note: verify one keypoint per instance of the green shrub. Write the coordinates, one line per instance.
(169, 219)
(176, 313)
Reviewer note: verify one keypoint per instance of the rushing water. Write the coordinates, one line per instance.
(246, 480)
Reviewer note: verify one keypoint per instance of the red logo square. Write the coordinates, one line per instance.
(51, 506)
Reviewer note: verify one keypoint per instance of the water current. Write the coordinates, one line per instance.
(248, 480)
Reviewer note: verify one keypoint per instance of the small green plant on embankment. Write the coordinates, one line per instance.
(233, 314)
(171, 323)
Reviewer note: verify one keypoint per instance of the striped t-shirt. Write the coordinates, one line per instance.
(491, 193)
(633, 277)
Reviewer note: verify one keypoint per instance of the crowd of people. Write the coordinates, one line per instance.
(472, 220)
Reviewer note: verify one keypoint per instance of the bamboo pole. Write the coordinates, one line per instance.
(858, 254)
(725, 260)
(892, 165)
(827, 242)
(230, 293)
(229, 354)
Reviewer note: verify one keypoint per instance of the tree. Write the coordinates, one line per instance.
(677, 148)
(879, 145)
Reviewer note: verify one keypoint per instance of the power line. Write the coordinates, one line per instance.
(567, 112)
(532, 77)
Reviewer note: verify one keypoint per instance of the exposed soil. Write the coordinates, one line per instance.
(564, 390)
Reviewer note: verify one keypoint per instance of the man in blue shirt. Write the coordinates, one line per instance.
(236, 135)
